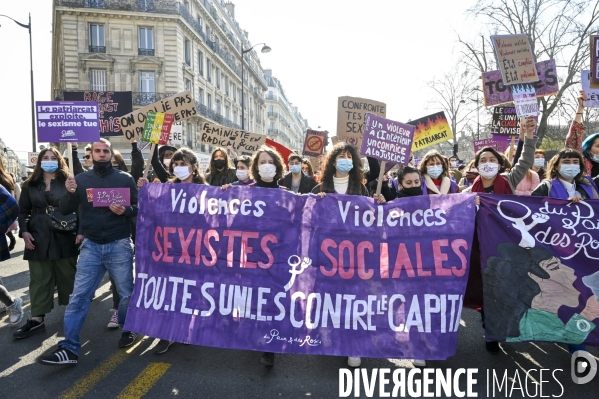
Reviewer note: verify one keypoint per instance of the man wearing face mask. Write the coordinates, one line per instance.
(453, 166)
(295, 180)
(220, 171)
(107, 247)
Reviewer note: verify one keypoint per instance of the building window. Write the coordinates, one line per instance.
(145, 5)
(209, 70)
(218, 108)
(217, 78)
(208, 33)
(97, 78)
(234, 93)
(186, 4)
(190, 141)
(209, 101)
(201, 96)
(227, 85)
(228, 112)
(235, 117)
(146, 41)
(96, 39)
(188, 85)
(187, 52)
(201, 63)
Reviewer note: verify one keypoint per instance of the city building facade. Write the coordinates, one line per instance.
(156, 48)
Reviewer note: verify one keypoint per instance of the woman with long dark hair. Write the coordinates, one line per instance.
(220, 170)
(52, 254)
(342, 172)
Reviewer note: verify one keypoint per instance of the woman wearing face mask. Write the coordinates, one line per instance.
(590, 146)
(242, 163)
(161, 161)
(567, 181)
(307, 167)
(220, 170)
(435, 173)
(409, 182)
(267, 167)
(52, 255)
(296, 180)
(539, 164)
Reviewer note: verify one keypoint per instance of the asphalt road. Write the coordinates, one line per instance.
(104, 371)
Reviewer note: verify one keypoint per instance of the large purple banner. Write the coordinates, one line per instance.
(539, 259)
(267, 270)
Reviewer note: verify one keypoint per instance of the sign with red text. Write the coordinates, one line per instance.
(112, 105)
(515, 59)
(314, 143)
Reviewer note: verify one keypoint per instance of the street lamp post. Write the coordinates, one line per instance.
(28, 27)
(265, 49)
(477, 118)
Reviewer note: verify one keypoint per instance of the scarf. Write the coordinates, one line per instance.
(445, 185)
(559, 191)
(500, 185)
(352, 189)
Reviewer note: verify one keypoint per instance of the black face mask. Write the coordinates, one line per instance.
(219, 163)
(102, 166)
(412, 191)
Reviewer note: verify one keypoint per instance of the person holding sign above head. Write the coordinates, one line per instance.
(220, 171)
(161, 172)
(51, 254)
(590, 146)
(435, 173)
(296, 180)
(107, 247)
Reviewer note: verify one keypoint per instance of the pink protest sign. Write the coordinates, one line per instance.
(104, 197)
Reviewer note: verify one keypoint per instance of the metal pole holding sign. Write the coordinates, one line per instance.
(70, 156)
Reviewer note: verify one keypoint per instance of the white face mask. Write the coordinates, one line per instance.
(166, 162)
(434, 171)
(182, 172)
(241, 174)
(267, 171)
(488, 170)
(453, 163)
(539, 162)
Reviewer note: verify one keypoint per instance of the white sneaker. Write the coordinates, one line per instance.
(354, 361)
(15, 311)
(114, 319)
(419, 363)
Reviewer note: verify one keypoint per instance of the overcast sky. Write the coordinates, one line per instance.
(321, 50)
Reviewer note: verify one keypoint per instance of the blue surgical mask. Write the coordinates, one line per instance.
(569, 171)
(434, 171)
(295, 169)
(596, 157)
(344, 165)
(49, 166)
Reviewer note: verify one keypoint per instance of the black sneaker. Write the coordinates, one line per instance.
(492, 347)
(60, 357)
(30, 328)
(162, 346)
(127, 339)
(267, 359)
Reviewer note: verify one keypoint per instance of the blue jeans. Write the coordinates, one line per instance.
(94, 261)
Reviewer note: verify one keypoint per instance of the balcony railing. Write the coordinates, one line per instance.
(273, 114)
(273, 131)
(97, 49)
(145, 51)
(140, 98)
(215, 116)
(271, 97)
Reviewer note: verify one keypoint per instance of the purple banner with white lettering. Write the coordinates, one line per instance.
(539, 260)
(266, 270)
(64, 121)
(495, 92)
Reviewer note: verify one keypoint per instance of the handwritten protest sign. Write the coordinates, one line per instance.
(355, 141)
(495, 92)
(176, 137)
(104, 197)
(387, 140)
(314, 143)
(351, 114)
(515, 59)
(180, 105)
(539, 269)
(506, 122)
(430, 130)
(592, 94)
(67, 121)
(32, 158)
(267, 270)
(223, 136)
(112, 105)
(482, 143)
(525, 100)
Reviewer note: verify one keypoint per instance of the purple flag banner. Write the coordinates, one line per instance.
(63, 121)
(539, 260)
(266, 270)
(495, 92)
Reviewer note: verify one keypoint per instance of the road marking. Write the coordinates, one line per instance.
(85, 384)
(144, 381)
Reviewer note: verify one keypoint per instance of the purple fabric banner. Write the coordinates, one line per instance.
(539, 260)
(495, 92)
(266, 270)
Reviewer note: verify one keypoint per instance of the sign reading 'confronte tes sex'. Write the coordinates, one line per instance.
(351, 114)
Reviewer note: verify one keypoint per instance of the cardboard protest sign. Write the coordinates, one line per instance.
(430, 130)
(32, 158)
(234, 263)
(203, 161)
(223, 136)
(176, 137)
(525, 100)
(67, 121)
(112, 105)
(180, 105)
(314, 143)
(355, 141)
(387, 140)
(104, 197)
(515, 59)
(592, 94)
(495, 92)
(351, 114)
(594, 61)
